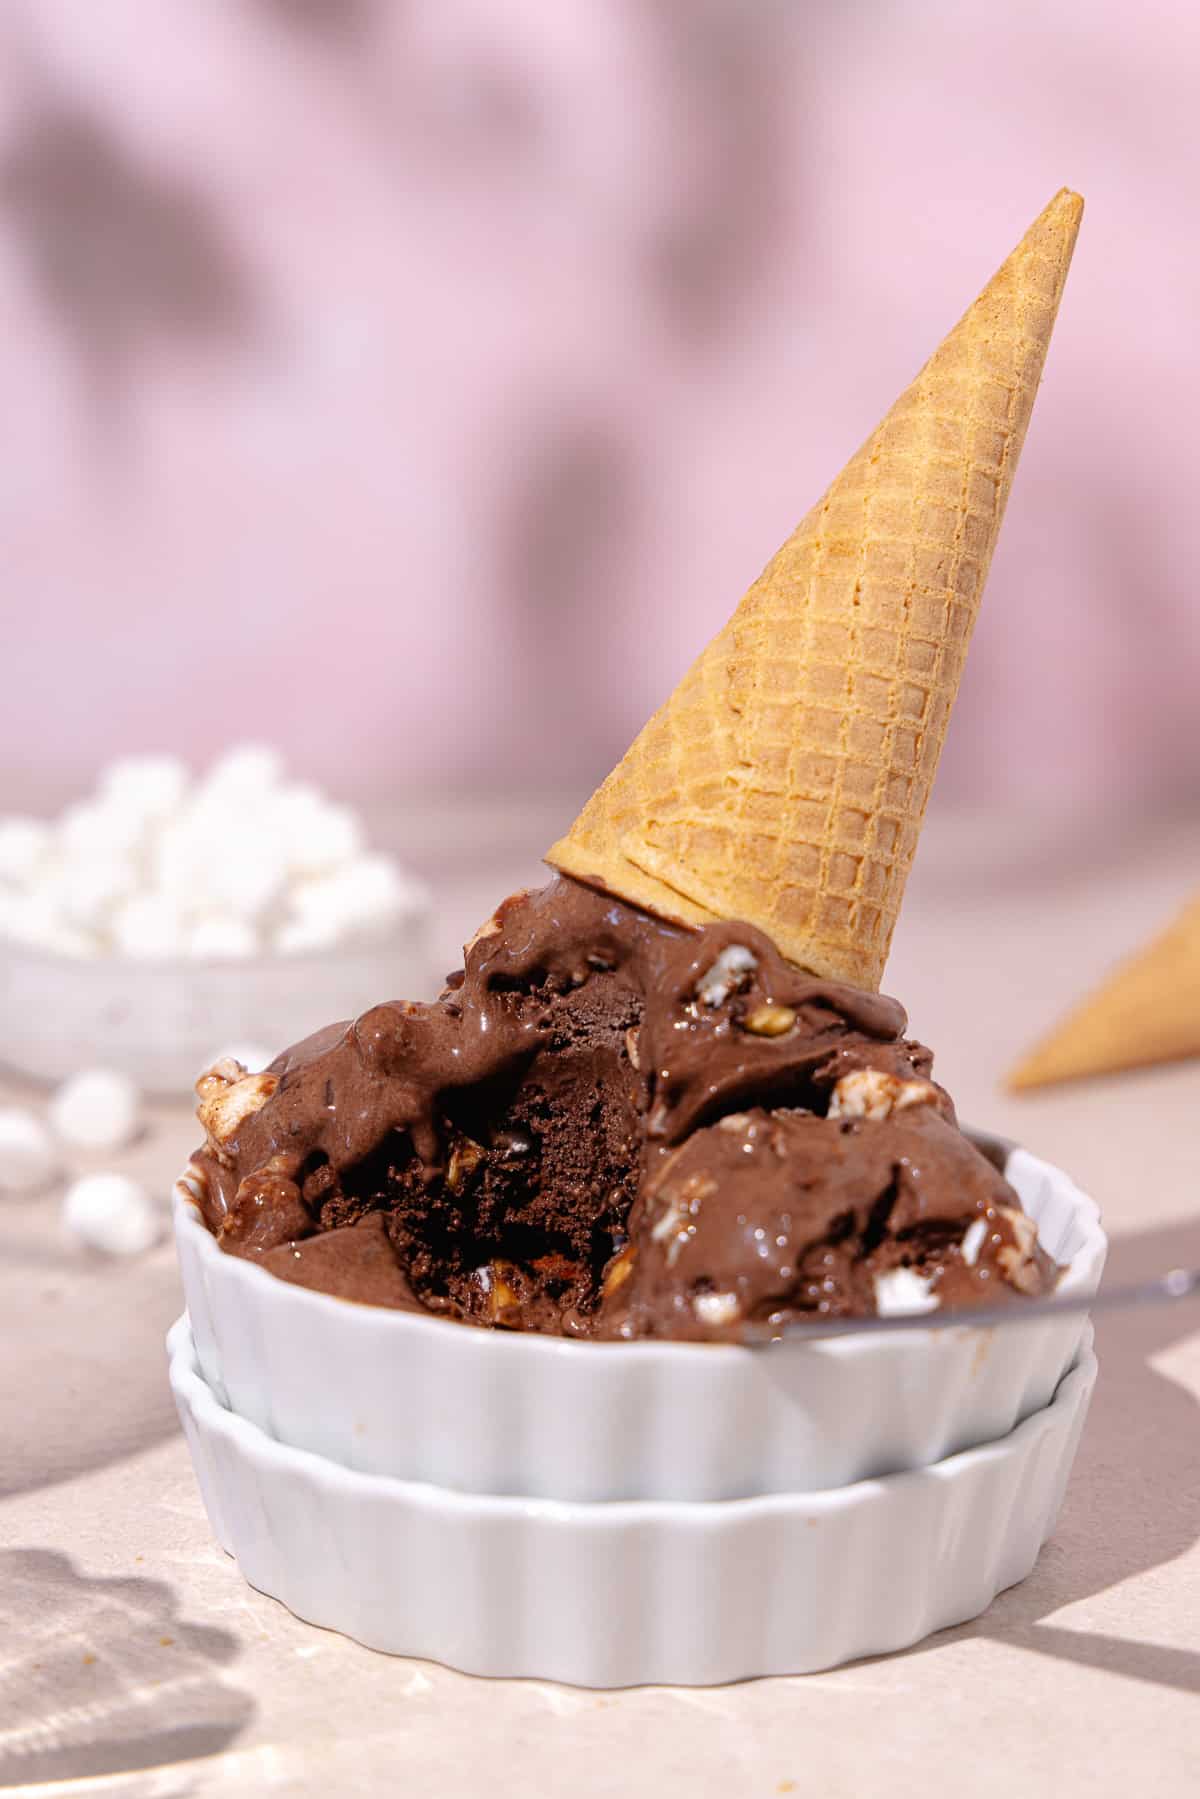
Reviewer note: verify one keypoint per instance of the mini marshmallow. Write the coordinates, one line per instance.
(148, 928)
(85, 893)
(223, 855)
(151, 867)
(34, 919)
(316, 837)
(179, 861)
(150, 787)
(246, 768)
(367, 895)
(222, 938)
(96, 828)
(716, 1308)
(974, 1240)
(15, 912)
(28, 1158)
(293, 809)
(731, 970)
(96, 1109)
(252, 1056)
(306, 936)
(23, 844)
(249, 886)
(229, 1094)
(111, 1213)
(903, 1290)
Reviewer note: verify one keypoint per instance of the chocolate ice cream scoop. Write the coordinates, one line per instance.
(769, 1214)
(609, 1125)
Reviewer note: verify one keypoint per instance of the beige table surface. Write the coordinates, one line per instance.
(134, 1660)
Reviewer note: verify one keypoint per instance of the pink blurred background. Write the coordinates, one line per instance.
(419, 385)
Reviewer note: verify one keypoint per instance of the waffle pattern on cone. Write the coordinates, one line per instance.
(785, 780)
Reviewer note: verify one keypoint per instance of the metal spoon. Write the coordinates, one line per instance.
(1179, 1283)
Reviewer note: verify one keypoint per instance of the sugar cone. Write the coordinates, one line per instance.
(785, 780)
(1147, 1011)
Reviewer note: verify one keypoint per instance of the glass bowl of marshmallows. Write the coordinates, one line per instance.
(167, 918)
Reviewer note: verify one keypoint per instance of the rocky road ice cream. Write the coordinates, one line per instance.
(611, 1126)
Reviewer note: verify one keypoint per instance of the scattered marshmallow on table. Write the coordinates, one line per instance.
(28, 1157)
(156, 865)
(96, 1109)
(112, 1213)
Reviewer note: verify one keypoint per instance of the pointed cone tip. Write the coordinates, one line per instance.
(1062, 217)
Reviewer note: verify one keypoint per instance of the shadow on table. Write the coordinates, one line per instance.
(1134, 1499)
(104, 1677)
(93, 1386)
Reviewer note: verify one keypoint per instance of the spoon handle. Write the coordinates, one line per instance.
(1178, 1283)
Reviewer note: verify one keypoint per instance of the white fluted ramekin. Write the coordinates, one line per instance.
(618, 1595)
(428, 1399)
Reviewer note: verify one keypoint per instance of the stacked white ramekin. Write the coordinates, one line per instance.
(612, 1513)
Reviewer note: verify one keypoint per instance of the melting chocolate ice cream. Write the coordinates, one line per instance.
(611, 1126)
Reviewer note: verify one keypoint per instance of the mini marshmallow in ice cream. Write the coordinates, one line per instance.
(664, 1097)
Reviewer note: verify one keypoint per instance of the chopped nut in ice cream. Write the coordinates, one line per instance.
(228, 1096)
(677, 1223)
(465, 1158)
(498, 1291)
(733, 1122)
(716, 1308)
(731, 970)
(631, 1049)
(672, 1228)
(869, 1093)
(769, 1021)
(267, 1209)
(276, 1168)
(619, 1270)
(1017, 1259)
(491, 927)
